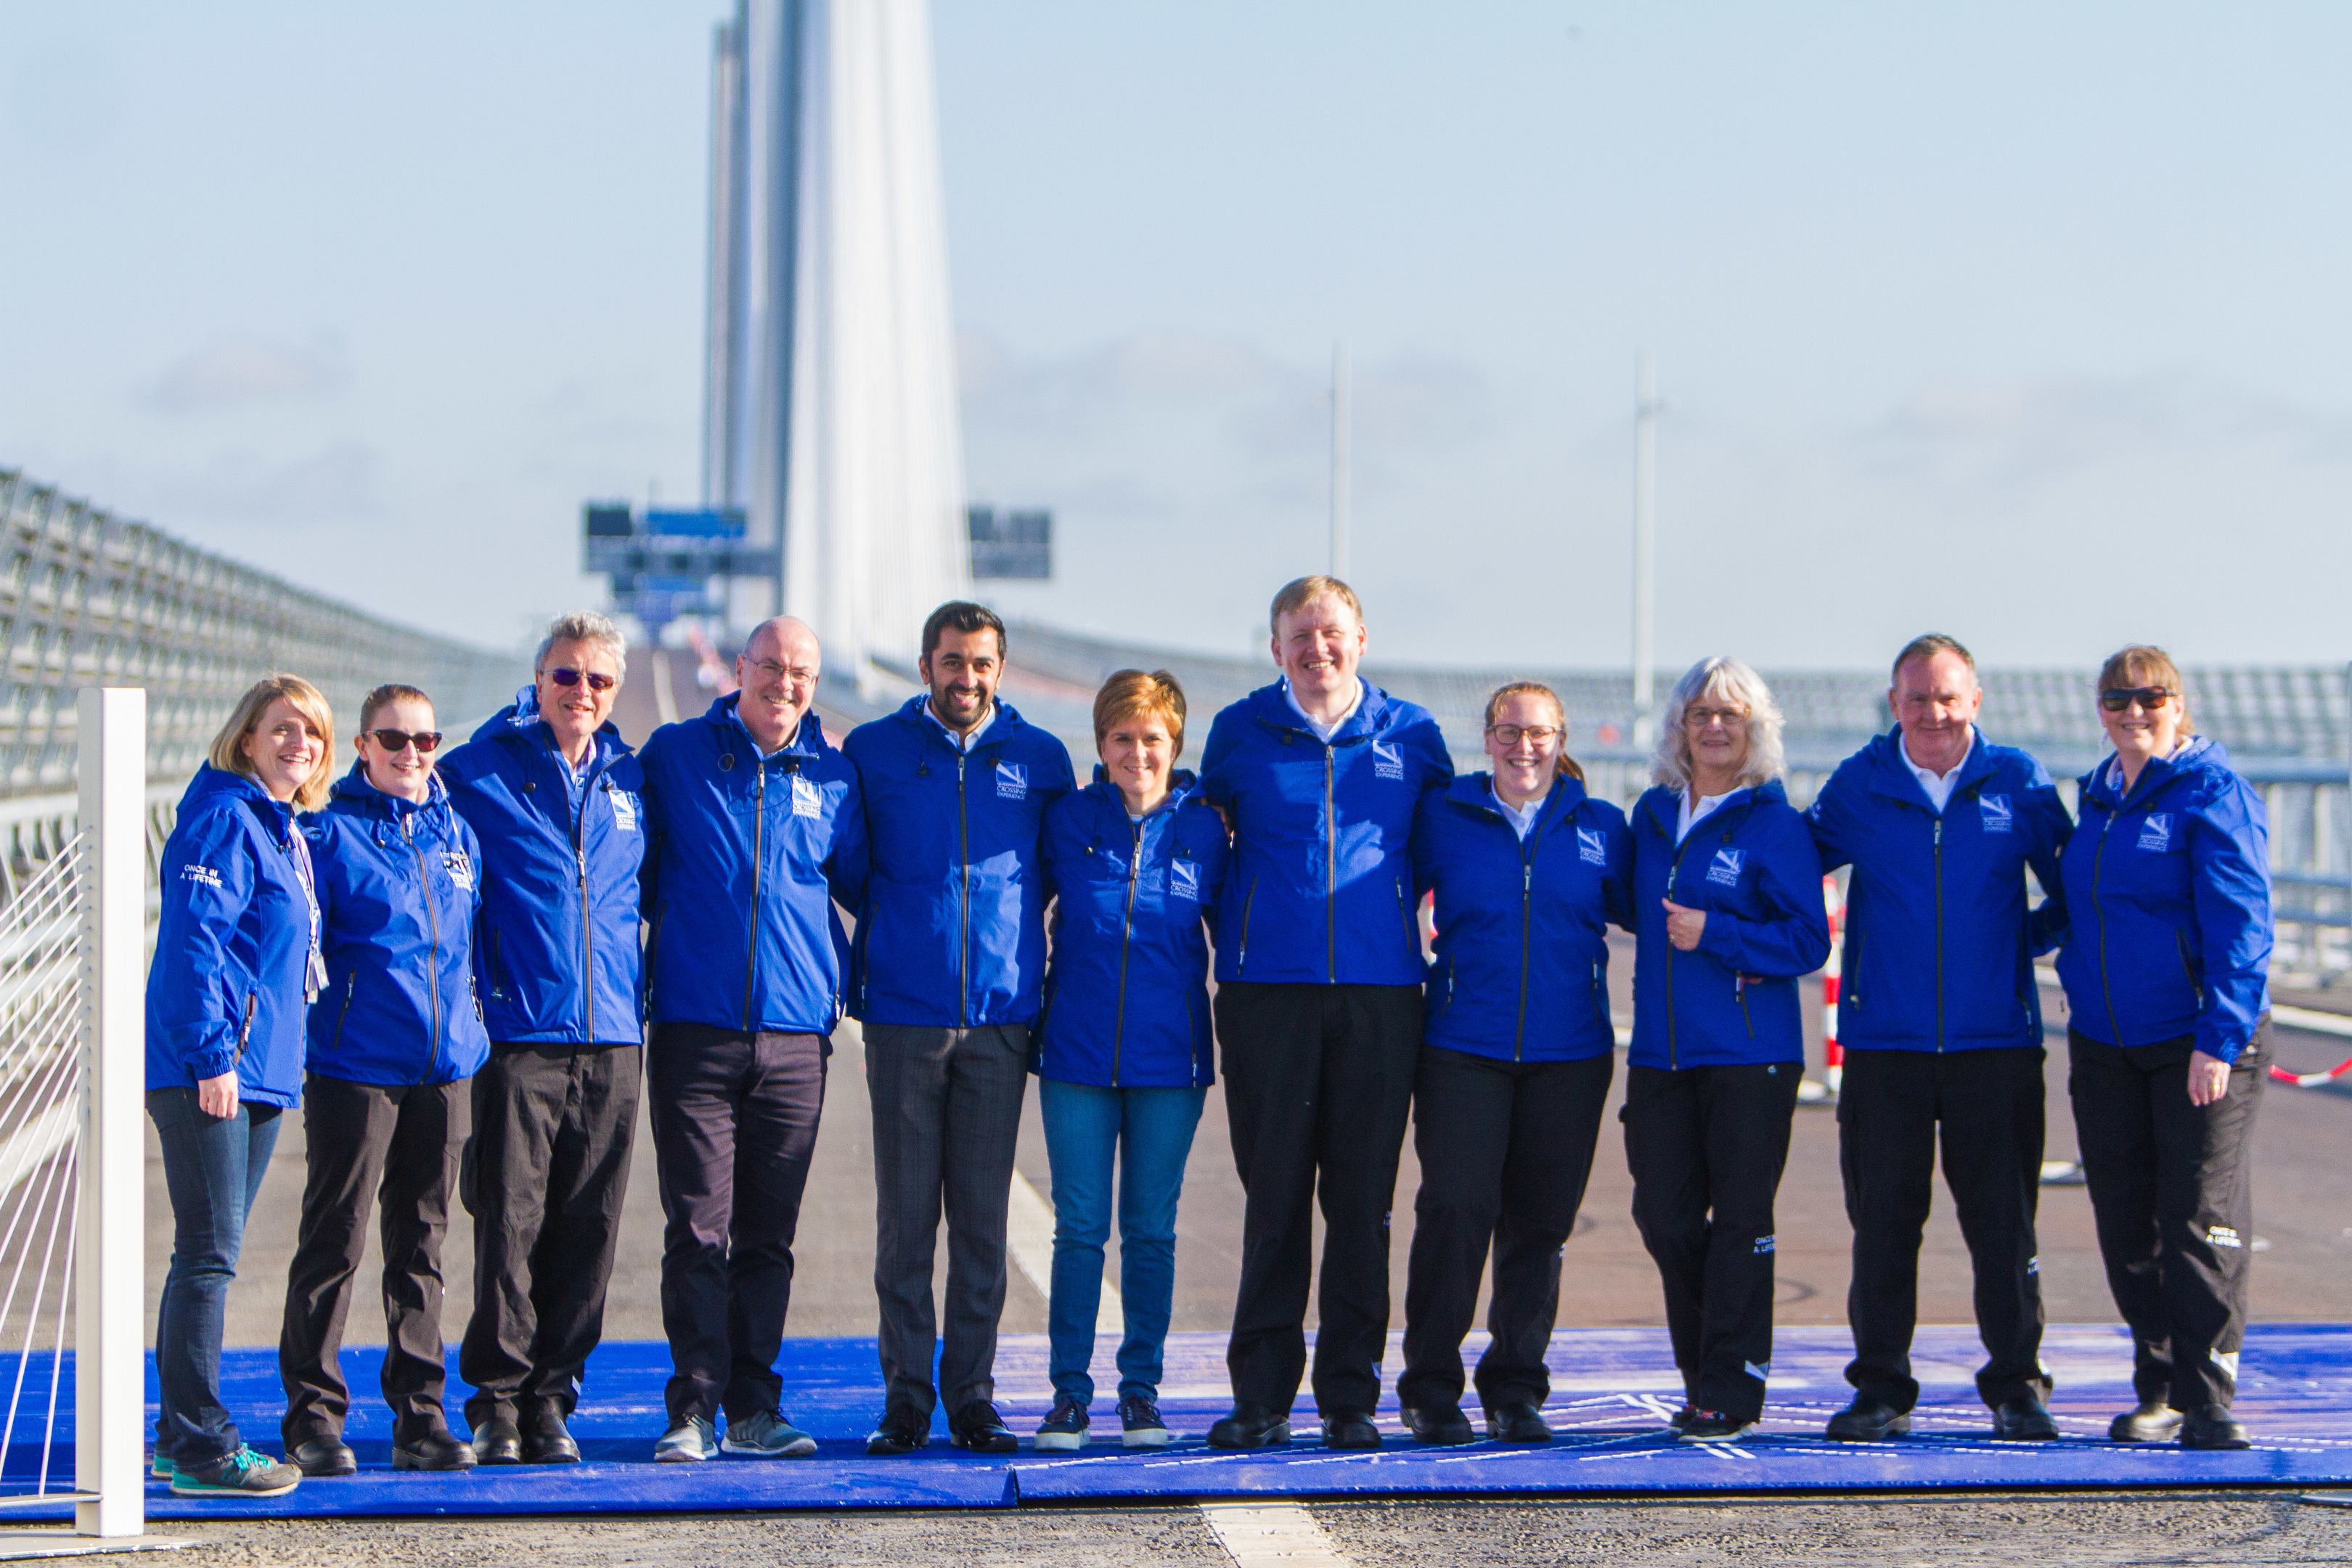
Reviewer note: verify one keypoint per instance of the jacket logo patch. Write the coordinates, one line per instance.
(1998, 817)
(460, 867)
(807, 799)
(1011, 780)
(1387, 763)
(202, 875)
(1184, 879)
(624, 810)
(1725, 870)
(2156, 833)
(1591, 847)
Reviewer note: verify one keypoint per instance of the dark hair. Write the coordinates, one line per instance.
(1129, 692)
(383, 697)
(964, 616)
(1927, 645)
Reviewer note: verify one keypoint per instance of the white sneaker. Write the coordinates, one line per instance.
(690, 1442)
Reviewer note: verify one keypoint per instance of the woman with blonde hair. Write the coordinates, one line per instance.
(1729, 914)
(237, 962)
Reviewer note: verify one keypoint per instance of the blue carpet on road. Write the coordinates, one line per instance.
(1612, 1392)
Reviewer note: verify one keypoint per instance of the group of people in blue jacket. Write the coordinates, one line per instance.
(465, 974)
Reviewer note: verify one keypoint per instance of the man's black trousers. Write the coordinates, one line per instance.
(1318, 1080)
(1988, 1105)
(547, 1170)
(398, 1146)
(2172, 1192)
(734, 1119)
(1706, 1146)
(1505, 1149)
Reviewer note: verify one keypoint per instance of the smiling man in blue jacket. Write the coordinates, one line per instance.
(752, 821)
(945, 976)
(1318, 1006)
(1941, 1020)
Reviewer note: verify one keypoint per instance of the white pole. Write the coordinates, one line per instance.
(110, 1286)
(1646, 529)
(1339, 496)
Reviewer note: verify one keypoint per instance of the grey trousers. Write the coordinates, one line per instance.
(946, 1115)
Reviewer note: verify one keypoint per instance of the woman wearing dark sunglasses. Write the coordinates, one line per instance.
(386, 1104)
(2166, 968)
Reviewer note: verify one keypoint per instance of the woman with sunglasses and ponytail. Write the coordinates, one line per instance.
(2166, 966)
(386, 1106)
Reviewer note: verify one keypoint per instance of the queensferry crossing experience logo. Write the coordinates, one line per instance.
(1724, 872)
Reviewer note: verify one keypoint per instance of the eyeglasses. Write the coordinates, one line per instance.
(574, 678)
(396, 740)
(1509, 734)
(2116, 698)
(1700, 718)
(771, 670)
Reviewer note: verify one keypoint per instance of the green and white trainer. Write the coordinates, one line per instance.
(242, 1474)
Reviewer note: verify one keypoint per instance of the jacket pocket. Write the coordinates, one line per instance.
(1739, 989)
(350, 985)
(497, 969)
(1412, 926)
(2188, 968)
(1241, 956)
(244, 1029)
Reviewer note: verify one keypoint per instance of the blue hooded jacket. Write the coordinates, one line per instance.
(2168, 900)
(233, 944)
(555, 956)
(1939, 945)
(1522, 971)
(744, 857)
(1750, 864)
(951, 929)
(1321, 888)
(1127, 997)
(398, 885)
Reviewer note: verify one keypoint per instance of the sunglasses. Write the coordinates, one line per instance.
(2115, 699)
(401, 740)
(574, 678)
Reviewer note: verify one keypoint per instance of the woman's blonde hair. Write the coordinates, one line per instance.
(1568, 765)
(1731, 682)
(1129, 692)
(2144, 664)
(228, 748)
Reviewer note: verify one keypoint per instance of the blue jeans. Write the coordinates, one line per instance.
(1151, 1131)
(214, 1167)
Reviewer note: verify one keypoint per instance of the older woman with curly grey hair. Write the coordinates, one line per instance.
(1729, 914)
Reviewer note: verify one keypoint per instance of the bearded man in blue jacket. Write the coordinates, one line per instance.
(1318, 1005)
(752, 823)
(946, 976)
(1940, 1015)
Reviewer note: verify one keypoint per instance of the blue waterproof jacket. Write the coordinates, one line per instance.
(233, 944)
(1127, 995)
(743, 857)
(1522, 970)
(1750, 864)
(1939, 945)
(398, 885)
(2168, 903)
(1321, 889)
(555, 954)
(951, 931)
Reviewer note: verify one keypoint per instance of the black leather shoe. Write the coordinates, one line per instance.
(2154, 1421)
(438, 1450)
(497, 1441)
(2213, 1429)
(1869, 1419)
(1517, 1422)
(325, 1455)
(546, 1440)
(1440, 1425)
(2023, 1419)
(1251, 1427)
(977, 1427)
(1354, 1429)
(903, 1429)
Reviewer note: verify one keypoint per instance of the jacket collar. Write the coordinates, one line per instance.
(1476, 792)
(1663, 802)
(1183, 784)
(2197, 754)
(355, 794)
(929, 730)
(1270, 705)
(525, 735)
(806, 740)
(1891, 773)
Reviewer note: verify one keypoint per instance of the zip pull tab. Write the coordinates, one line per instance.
(1939, 833)
(1528, 878)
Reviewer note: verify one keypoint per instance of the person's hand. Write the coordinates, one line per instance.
(1682, 925)
(2209, 1079)
(217, 1097)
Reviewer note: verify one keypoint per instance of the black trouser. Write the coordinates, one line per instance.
(1706, 1146)
(548, 1168)
(1989, 1104)
(946, 1118)
(735, 1118)
(1318, 1082)
(1505, 1149)
(2172, 1190)
(399, 1145)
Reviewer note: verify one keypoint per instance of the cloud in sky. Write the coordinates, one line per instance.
(231, 372)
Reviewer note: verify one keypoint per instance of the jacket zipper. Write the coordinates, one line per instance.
(1675, 869)
(963, 900)
(759, 861)
(1739, 989)
(498, 968)
(350, 985)
(1527, 922)
(2188, 971)
(1126, 939)
(1330, 870)
(432, 954)
(1940, 936)
(244, 1030)
(1241, 960)
(587, 923)
(2106, 985)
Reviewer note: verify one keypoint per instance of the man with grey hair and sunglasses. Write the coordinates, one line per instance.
(1940, 1016)
(555, 796)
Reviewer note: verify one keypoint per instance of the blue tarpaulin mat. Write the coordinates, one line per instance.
(1613, 1389)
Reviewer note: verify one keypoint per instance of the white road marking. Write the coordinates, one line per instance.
(1279, 1535)
(665, 694)
(1029, 1236)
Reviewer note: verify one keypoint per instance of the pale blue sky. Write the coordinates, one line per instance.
(2027, 322)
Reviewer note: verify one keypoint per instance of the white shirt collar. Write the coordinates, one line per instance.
(1686, 818)
(1522, 818)
(1939, 785)
(1323, 731)
(961, 743)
